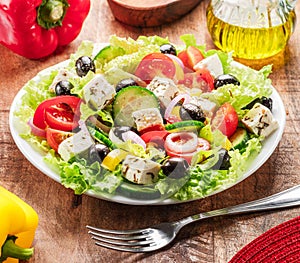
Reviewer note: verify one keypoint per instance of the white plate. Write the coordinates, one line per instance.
(36, 157)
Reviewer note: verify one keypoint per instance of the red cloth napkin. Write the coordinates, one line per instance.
(279, 244)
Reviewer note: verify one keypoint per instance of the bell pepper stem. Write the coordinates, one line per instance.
(52, 10)
(51, 13)
(12, 250)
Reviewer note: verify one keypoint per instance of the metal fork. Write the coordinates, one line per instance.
(158, 236)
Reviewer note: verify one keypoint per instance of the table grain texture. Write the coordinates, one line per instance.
(62, 237)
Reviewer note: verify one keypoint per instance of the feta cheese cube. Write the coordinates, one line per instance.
(260, 121)
(209, 108)
(163, 88)
(145, 118)
(139, 170)
(76, 145)
(211, 63)
(98, 93)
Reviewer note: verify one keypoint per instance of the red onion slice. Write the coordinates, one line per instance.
(130, 135)
(36, 130)
(176, 59)
(173, 103)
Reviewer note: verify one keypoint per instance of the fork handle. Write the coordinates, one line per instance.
(287, 198)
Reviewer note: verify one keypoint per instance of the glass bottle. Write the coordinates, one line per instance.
(252, 29)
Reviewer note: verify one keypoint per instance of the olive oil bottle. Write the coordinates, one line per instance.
(251, 29)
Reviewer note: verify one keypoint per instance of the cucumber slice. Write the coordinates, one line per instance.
(239, 139)
(190, 125)
(138, 191)
(108, 53)
(131, 99)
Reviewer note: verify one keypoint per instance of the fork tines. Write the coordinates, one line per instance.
(124, 240)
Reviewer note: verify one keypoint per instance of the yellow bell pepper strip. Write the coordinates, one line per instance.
(18, 223)
(113, 158)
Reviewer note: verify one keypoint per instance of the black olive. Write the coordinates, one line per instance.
(119, 130)
(125, 83)
(175, 167)
(224, 160)
(192, 111)
(83, 65)
(98, 152)
(224, 80)
(168, 49)
(268, 102)
(63, 88)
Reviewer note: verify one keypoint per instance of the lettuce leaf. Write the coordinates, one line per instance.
(204, 182)
(253, 84)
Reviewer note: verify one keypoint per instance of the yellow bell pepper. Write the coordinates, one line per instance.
(113, 158)
(18, 222)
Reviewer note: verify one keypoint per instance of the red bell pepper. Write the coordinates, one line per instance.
(35, 28)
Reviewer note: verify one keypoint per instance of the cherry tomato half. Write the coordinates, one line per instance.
(55, 137)
(225, 119)
(190, 57)
(155, 64)
(201, 79)
(185, 60)
(58, 112)
(194, 56)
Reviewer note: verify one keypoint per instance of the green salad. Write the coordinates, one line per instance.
(147, 118)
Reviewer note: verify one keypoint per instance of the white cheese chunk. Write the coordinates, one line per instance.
(145, 118)
(76, 145)
(62, 74)
(97, 93)
(163, 88)
(209, 108)
(212, 63)
(260, 120)
(139, 170)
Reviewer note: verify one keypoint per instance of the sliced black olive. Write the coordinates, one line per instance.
(168, 49)
(98, 152)
(224, 80)
(192, 111)
(175, 167)
(125, 83)
(268, 102)
(83, 65)
(224, 160)
(63, 88)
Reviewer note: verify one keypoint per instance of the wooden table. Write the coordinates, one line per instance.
(61, 235)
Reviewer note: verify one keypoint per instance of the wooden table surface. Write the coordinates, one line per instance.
(61, 235)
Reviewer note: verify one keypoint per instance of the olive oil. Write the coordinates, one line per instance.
(251, 41)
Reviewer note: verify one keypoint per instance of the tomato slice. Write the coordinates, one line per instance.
(55, 137)
(185, 60)
(204, 74)
(155, 64)
(194, 56)
(190, 57)
(60, 117)
(59, 112)
(157, 137)
(153, 127)
(201, 79)
(225, 119)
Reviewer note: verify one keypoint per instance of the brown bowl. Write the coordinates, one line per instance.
(149, 13)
